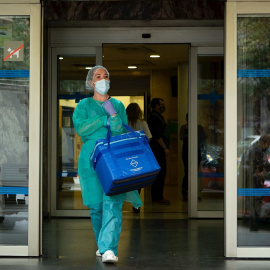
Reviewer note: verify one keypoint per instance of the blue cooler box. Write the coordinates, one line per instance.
(124, 162)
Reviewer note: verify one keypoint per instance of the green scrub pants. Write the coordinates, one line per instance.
(107, 224)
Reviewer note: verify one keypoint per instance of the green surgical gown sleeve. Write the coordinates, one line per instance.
(90, 120)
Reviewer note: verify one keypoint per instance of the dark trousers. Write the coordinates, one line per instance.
(185, 178)
(158, 185)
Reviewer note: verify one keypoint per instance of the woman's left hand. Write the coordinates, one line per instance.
(108, 106)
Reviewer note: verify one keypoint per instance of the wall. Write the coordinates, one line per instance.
(133, 10)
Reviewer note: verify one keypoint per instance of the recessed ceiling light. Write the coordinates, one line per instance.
(88, 67)
(154, 56)
(61, 57)
(132, 67)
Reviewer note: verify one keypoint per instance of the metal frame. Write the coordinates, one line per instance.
(233, 9)
(33, 247)
(196, 36)
(193, 134)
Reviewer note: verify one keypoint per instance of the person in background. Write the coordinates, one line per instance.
(90, 118)
(159, 143)
(183, 135)
(255, 168)
(136, 122)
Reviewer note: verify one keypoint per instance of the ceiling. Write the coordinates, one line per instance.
(117, 58)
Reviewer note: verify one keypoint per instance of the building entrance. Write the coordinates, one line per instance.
(167, 77)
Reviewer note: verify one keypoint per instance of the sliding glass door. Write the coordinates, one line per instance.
(69, 69)
(206, 121)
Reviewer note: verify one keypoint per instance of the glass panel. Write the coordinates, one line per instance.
(253, 129)
(71, 89)
(210, 133)
(14, 129)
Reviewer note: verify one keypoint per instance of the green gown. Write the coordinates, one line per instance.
(90, 120)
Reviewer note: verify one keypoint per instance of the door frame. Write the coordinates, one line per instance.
(233, 9)
(35, 123)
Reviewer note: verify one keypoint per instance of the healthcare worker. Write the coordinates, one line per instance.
(90, 119)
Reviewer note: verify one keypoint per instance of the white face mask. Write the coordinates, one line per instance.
(102, 86)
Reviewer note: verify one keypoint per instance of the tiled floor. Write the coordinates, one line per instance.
(148, 241)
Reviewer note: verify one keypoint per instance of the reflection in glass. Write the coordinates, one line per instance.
(210, 133)
(14, 129)
(253, 100)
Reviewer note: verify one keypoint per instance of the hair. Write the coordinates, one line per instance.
(265, 138)
(134, 113)
(155, 102)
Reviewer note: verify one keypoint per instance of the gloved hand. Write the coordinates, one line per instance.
(107, 105)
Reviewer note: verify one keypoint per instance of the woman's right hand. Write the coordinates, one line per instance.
(167, 152)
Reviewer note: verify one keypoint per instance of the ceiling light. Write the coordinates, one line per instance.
(154, 56)
(61, 57)
(88, 67)
(132, 67)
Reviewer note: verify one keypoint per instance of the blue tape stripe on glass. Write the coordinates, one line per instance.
(213, 97)
(253, 192)
(77, 96)
(253, 73)
(211, 175)
(67, 174)
(14, 190)
(14, 73)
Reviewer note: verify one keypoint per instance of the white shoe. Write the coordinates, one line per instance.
(98, 254)
(109, 257)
